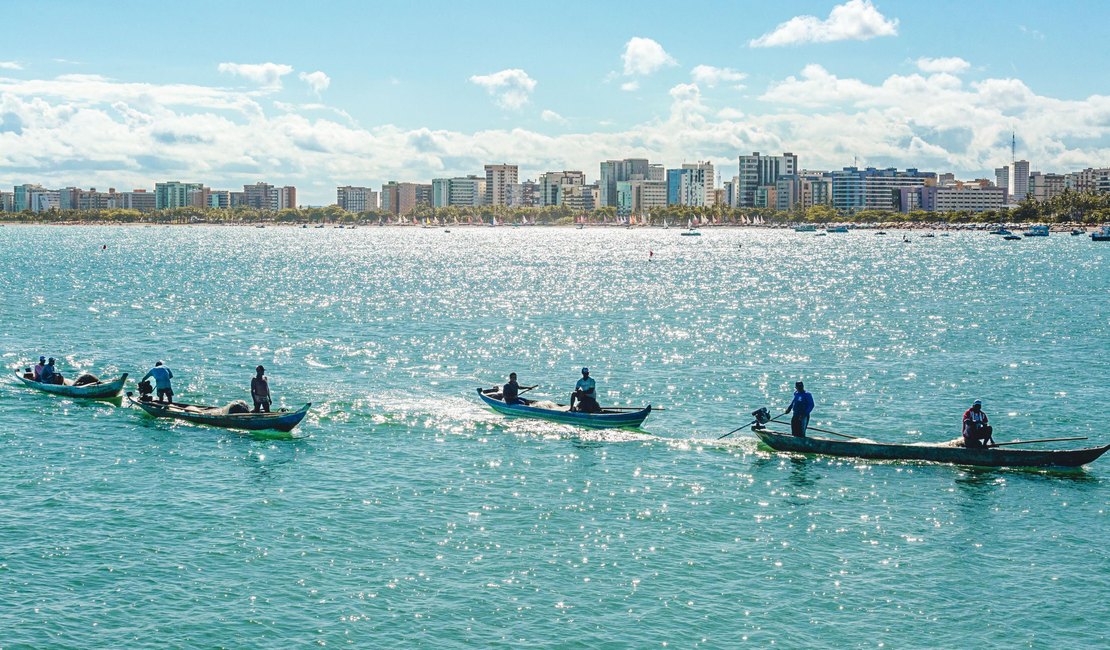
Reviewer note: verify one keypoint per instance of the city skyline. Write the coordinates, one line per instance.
(360, 96)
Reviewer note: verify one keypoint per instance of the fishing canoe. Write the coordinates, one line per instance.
(607, 419)
(217, 416)
(98, 390)
(939, 453)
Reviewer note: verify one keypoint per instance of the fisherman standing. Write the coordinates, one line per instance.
(802, 406)
(260, 391)
(162, 376)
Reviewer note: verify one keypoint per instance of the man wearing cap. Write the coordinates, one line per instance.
(162, 377)
(48, 375)
(802, 407)
(585, 392)
(260, 391)
(977, 433)
(38, 368)
(510, 392)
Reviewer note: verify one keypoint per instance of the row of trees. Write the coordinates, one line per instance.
(1067, 207)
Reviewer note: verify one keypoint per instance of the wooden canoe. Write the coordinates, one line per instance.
(563, 414)
(217, 417)
(937, 453)
(99, 390)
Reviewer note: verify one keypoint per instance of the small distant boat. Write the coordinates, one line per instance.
(580, 226)
(1077, 231)
(1102, 234)
(1012, 237)
(97, 390)
(1038, 230)
(837, 229)
(906, 240)
(690, 230)
(928, 235)
(218, 416)
(805, 228)
(881, 232)
(999, 231)
(938, 453)
(607, 419)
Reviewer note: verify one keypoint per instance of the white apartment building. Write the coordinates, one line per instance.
(499, 180)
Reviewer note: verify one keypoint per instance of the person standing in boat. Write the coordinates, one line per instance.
(585, 393)
(38, 368)
(510, 392)
(162, 376)
(977, 433)
(802, 406)
(260, 391)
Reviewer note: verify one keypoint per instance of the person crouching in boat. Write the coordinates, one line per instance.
(977, 433)
(162, 376)
(260, 391)
(510, 392)
(585, 393)
(802, 407)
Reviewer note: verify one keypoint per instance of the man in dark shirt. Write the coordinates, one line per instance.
(260, 391)
(802, 407)
(510, 392)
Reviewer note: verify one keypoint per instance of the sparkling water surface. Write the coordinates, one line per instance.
(402, 513)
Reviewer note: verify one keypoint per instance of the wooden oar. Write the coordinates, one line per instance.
(1026, 442)
(842, 435)
(631, 408)
(774, 419)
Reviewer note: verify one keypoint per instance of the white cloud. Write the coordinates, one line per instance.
(317, 81)
(551, 116)
(630, 86)
(10, 65)
(855, 20)
(948, 64)
(511, 88)
(263, 74)
(89, 130)
(644, 56)
(711, 76)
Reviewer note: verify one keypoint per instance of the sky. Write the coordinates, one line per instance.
(126, 94)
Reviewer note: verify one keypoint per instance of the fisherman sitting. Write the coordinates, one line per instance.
(585, 393)
(510, 392)
(977, 433)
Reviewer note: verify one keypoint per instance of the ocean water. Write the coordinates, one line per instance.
(402, 513)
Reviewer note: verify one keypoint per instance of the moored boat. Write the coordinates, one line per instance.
(218, 416)
(607, 419)
(1102, 234)
(96, 390)
(1037, 230)
(936, 453)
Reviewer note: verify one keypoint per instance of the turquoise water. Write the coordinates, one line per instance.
(403, 513)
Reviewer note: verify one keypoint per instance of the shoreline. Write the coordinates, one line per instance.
(1064, 227)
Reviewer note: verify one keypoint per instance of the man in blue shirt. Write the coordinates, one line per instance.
(49, 375)
(585, 392)
(802, 407)
(510, 392)
(162, 377)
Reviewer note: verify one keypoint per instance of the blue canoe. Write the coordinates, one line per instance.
(607, 419)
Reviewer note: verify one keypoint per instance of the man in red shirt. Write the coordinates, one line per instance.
(977, 433)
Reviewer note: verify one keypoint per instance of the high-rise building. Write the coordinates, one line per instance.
(499, 178)
(1002, 177)
(528, 194)
(6, 201)
(629, 169)
(44, 200)
(356, 199)
(1090, 180)
(1043, 187)
(816, 189)
(1019, 180)
(856, 189)
(757, 170)
(21, 196)
(638, 197)
(403, 198)
(174, 194)
(955, 197)
(465, 191)
(580, 198)
(692, 184)
(554, 186)
(139, 199)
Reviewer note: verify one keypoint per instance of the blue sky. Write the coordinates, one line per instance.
(125, 94)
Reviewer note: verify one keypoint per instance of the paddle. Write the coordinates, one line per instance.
(842, 435)
(632, 408)
(1026, 442)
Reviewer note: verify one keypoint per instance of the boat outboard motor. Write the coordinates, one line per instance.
(762, 416)
(145, 390)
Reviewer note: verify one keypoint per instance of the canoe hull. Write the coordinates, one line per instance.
(993, 457)
(603, 420)
(244, 421)
(99, 390)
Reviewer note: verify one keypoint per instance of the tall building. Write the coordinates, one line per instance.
(220, 199)
(139, 199)
(7, 201)
(554, 186)
(1019, 180)
(638, 197)
(856, 189)
(465, 191)
(816, 189)
(1090, 180)
(692, 184)
(528, 194)
(629, 169)
(174, 194)
(21, 196)
(356, 199)
(956, 197)
(44, 200)
(1043, 187)
(403, 198)
(1002, 177)
(757, 171)
(580, 198)
(499, 178)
